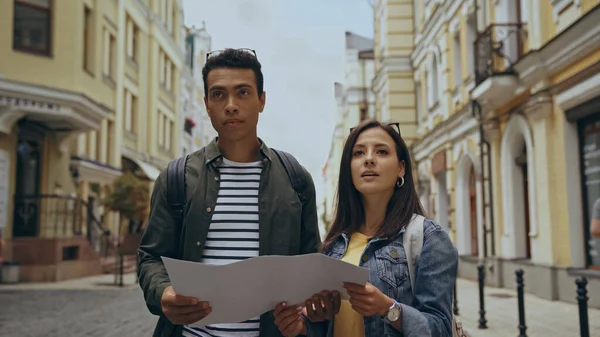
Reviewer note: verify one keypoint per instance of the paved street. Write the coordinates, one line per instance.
(93, 307)
(543, 318)
(82, 308)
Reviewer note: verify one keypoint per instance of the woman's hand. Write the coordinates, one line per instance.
(289, 320)
(322, 306)
(367, 300)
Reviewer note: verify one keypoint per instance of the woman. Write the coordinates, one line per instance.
(376, 201)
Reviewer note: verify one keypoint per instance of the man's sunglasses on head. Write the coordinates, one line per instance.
(218, 52)
(394, 125)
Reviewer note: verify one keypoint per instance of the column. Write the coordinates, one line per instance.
(541, 223)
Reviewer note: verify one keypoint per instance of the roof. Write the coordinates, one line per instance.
(354, 41)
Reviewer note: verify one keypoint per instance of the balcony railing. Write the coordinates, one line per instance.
(497, 49)
(57, 216)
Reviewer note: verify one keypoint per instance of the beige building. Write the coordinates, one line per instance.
(197, 128)
(355, 102)
(88, 89)
(393, 84)
(508, 112)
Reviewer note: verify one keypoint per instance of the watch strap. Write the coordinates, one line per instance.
(395, 305)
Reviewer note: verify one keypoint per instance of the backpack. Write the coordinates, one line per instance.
(176, 192)
(412, 240)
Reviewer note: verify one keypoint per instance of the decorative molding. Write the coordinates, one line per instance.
(64, 140)
(8, 118)
(514, 216)
(558, 6)
(433, 27)
(457, 126)
(573, 44)
(454, 26)
(491, 131)
(390, 64)
(579, 93)
(539, 106)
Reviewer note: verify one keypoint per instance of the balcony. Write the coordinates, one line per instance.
(497, 50)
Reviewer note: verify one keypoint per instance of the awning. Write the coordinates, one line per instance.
(149, 170)
(94, 171)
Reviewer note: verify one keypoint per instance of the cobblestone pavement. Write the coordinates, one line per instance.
(543, 318)
(84, 311)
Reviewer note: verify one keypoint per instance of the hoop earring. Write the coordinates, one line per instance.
(400, 182)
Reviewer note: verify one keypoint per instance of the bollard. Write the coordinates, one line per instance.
(521, 301)
(455, 301)
(582, 299)
(481, 280)
(120, 269)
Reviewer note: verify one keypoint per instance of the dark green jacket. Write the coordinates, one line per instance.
(285, 228)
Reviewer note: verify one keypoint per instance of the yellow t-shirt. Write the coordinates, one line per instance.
(349, 323)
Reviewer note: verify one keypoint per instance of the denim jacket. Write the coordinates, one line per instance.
(430, 312)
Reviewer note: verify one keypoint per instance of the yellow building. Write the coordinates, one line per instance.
(393, 84)
(88, 89)
(450, 168)
(508, 95)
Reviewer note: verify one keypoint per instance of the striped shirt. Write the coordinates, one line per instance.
(233, 235)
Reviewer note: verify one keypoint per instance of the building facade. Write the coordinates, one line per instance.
(88, 89)
(197, 128)
(355, 102)
(393, 83)
(508, 100)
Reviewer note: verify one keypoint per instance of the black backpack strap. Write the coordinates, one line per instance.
(176, 193)
(295, 173)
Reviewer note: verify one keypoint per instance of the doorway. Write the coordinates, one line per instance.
(26, 216)
(521, 162)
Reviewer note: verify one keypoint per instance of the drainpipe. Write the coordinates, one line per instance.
(482, 141)
(478, 112)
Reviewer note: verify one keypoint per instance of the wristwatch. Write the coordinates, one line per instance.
(393, 313)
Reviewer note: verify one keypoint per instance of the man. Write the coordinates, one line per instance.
(240, 203)
(595, 223)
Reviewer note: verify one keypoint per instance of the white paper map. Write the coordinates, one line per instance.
(249, 288)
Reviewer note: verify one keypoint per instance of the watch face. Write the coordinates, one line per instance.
(393, 314)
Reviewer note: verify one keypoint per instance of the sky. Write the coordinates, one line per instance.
(300, 44)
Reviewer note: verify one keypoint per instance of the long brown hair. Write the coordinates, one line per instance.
(350, 213)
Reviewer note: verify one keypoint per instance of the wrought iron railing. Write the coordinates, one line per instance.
(497, 49)
(58, 216)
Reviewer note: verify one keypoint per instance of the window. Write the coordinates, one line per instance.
(189, 51)
(87, 40)
(433, 85)
(471, 36)
(110, 142)
(457, 61)
(132, 40)
(589, 130)
(130, 112)
(168, 133)
(32, 29)
(110, 49)
(167, 71)
(165, 131)
(417, 15)
(419, 102)
(168, 75)
(161, 67)
(161, 129)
